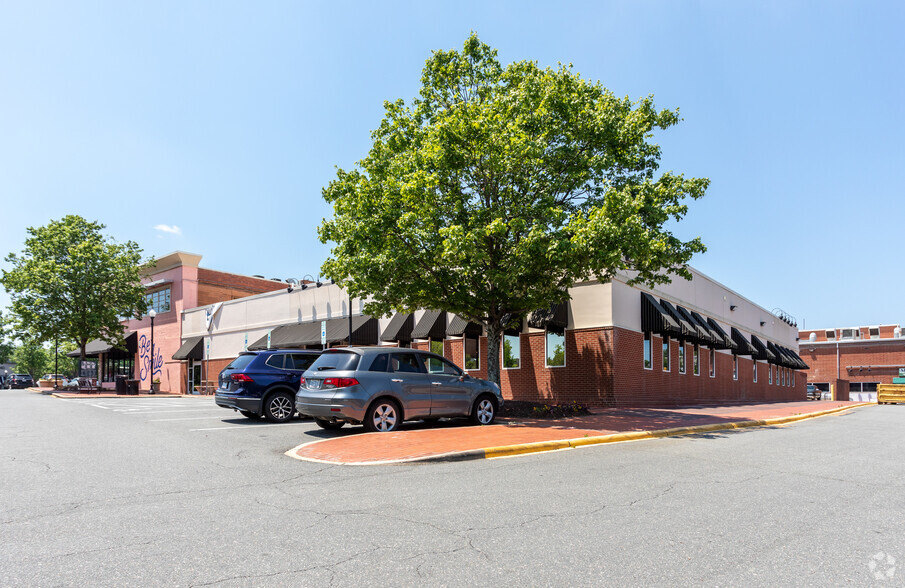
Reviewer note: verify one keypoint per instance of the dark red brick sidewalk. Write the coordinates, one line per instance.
(415, 440)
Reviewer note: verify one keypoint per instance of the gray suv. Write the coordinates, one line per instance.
(380, 387)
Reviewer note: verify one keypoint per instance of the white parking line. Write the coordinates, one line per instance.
(250, 427)
(172, 411)
(189, 419)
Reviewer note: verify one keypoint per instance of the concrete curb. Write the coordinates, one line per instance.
(542, 446)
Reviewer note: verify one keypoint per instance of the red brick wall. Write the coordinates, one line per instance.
(214, 286)
(822, 361)
(604, 367)
(636, 386)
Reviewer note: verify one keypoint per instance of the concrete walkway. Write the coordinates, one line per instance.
(454, 441)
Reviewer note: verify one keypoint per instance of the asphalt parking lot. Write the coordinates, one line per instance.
(126, 492)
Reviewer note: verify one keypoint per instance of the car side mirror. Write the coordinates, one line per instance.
(463, 377)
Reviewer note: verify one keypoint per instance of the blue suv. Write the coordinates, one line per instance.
(263, 383)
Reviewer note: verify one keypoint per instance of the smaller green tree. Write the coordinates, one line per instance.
(72, 283)
(6, 339)
(31, 358)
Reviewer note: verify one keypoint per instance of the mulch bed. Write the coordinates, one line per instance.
(538, 410)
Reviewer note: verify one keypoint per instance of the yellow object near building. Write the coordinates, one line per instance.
(891, 394)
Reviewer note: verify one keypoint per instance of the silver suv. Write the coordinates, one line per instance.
(380, 387)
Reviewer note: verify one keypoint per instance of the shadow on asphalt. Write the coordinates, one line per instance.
(407, 426)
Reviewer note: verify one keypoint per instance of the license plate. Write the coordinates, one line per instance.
(315, 384)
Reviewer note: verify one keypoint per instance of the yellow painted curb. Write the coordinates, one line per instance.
(525, 448)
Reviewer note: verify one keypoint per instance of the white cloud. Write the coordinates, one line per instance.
(173, 230)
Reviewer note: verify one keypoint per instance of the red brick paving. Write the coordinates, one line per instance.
(351, 445)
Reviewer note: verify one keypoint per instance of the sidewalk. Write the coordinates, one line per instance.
(452, 440)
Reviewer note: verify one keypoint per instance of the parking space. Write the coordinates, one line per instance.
(195, 415)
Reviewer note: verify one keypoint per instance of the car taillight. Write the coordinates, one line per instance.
(241, 378)
(340, 382)
(302, 382)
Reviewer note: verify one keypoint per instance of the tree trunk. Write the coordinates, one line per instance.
(494, 335)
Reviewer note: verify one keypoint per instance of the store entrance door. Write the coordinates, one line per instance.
(195, 377)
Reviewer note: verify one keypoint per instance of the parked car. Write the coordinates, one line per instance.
(814, 393)
(381, 387)
(263, 383)
(19, 381)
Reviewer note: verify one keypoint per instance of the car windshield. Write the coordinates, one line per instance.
(336, 360)
(240, 362)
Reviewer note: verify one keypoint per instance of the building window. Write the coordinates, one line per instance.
(712, 362)
(696, 360)
(556, 349)
(771, 372)
(793, 379)
(874, 332)
(159, 301)
(434, 365)
(681, 357)
(831, 334)
(754, 363)
(512, 352)
(666, 354)
(735, 366)
(648, 361)
(472, 353)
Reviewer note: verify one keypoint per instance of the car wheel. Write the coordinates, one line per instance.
(484, 411)
(279, 408)
(249, 415)
(383, 416)
(329, 425)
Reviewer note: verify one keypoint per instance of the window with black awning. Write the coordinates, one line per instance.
(655, 319)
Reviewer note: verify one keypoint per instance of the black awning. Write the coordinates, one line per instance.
(744, 345)
(298, 335)
(364, 330)
(799, 363)
(725, 341)
(777, 356)
(792, 360)
(192, 348)
(459, 326)
(98, 346)
(432, 325)
(686, 329)
(703, 334)
(762, 352)
(655, 319)
(291, 336)
(715, 338)
(554, 319)
(400, 327)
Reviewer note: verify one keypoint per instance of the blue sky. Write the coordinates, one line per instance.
(227, 119)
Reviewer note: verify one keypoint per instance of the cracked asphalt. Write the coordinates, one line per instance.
(92, 496)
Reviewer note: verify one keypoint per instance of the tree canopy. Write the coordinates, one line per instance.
(71, 283)
(499, 187)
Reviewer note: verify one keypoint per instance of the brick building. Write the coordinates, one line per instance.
(174, 283)
(854, 358)
(610, 343)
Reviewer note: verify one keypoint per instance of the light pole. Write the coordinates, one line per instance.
(152, 313)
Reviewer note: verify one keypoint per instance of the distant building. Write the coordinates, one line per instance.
(174, 283)
(860, 358)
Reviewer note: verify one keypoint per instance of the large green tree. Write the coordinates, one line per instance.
(72, 283)
(499, 187)
(6, 342)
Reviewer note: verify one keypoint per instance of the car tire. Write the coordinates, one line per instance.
(484, 410)
(279, 407)
(249, 415)
(383, 416)
(329, 425)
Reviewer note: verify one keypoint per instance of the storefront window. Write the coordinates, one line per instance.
(556, 349)
(697, 360)
(159, 301)
(512, 351)
(433, 364)
(472, 353)
(681, 357)
(666, 354)
(118, 367)
(648, 363)
(734, 366)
